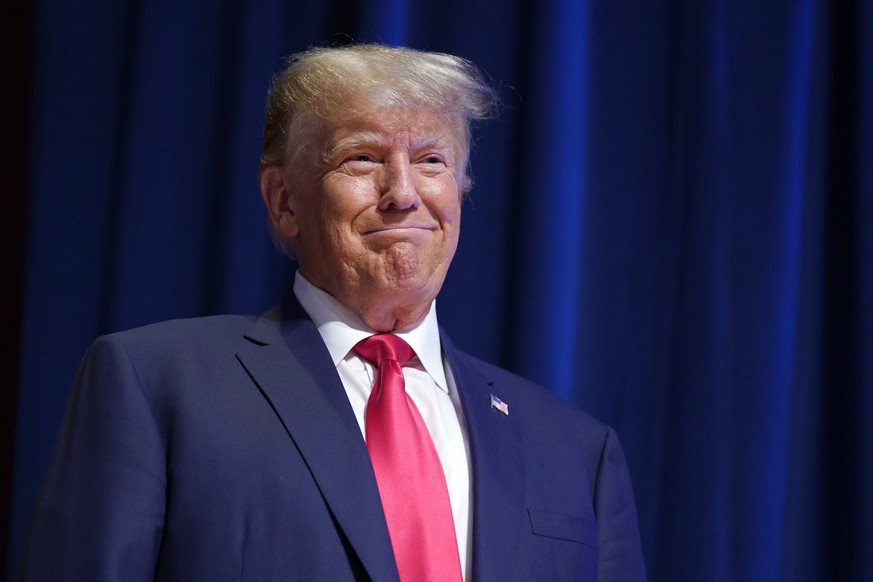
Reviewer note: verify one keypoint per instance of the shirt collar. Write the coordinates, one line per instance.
(341, 329)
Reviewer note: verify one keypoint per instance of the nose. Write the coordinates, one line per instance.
(399, 189)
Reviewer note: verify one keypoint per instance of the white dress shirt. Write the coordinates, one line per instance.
(429, 382)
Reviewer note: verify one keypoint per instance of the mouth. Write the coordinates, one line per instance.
(400, 229)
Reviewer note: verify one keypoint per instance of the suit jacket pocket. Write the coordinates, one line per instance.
(561, 526)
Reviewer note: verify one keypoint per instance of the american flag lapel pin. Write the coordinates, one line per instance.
(499, 405)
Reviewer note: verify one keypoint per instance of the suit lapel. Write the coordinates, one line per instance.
(287, 360)
(290, 364)
(497, 469)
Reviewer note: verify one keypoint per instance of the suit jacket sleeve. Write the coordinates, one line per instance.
(621, 557)
(100, 513)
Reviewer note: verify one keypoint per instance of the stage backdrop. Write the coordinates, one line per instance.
(672, 227)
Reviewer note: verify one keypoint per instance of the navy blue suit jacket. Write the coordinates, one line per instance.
(225, 448)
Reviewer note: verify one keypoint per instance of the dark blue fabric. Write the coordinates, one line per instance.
(672, 227)
(208, 461)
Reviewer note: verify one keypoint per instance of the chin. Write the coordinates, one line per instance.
(405, 266)
(424, 284)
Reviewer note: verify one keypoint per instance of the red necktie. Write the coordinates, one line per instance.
(408, 471)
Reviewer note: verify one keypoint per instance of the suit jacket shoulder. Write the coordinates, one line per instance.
(209, 449)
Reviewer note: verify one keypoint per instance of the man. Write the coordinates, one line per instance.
(311, 443)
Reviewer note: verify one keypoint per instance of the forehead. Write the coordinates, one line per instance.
(384, 125)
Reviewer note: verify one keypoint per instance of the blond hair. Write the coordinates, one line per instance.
(323, 82)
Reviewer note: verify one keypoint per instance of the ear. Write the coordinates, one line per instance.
(276, 193)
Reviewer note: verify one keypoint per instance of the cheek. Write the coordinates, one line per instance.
(443, 197)
(340, 212)
(450, 209)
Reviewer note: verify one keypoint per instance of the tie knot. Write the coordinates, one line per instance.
(384, 346)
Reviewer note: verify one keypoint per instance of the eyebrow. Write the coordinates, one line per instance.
(374, 139)
(354, 141)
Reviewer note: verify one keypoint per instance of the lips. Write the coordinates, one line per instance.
(400, 229)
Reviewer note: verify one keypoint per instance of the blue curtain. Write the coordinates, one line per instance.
(672, 227)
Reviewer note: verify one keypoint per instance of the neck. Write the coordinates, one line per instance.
(392, 318)
(383, 309)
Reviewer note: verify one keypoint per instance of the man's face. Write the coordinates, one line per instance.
(375, 210)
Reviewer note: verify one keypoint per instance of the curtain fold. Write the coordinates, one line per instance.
(672, 226)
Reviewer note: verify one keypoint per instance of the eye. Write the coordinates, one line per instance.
(432, 160)
(359, 158)
(358, 163)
